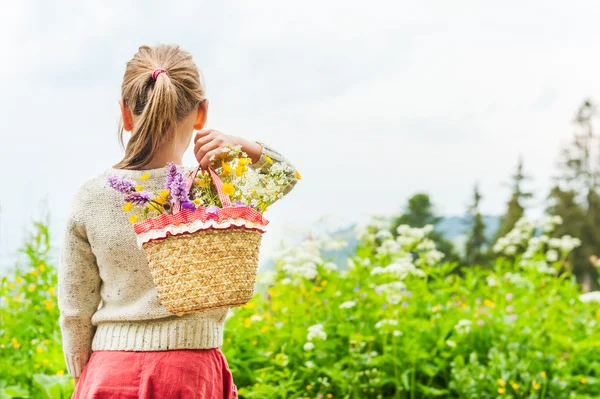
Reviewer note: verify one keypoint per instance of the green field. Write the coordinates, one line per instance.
(393, 321)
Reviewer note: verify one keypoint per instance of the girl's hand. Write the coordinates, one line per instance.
(209, 142)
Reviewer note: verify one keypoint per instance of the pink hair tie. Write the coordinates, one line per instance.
(157, 72)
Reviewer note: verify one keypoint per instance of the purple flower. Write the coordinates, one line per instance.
(178, 189)
(408, 294)
(509, 309)
(404, 304)
(139, 197)
(188, 205)
(212, 210)
(121, 184)
(385, 305)
(512, 317)
(378, 290)
(356, 289)
(509, 297)
(172, 172)
(239, 204)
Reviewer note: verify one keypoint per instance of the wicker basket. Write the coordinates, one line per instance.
(202, 260)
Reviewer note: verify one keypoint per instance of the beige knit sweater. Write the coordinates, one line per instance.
(105, 292)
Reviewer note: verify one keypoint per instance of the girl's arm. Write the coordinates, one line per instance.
(269, 157)
(78, 291)
(209, 142)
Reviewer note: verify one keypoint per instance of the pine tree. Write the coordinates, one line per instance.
(419, 212)
(474, 247)
(515, 209)
(576, 195)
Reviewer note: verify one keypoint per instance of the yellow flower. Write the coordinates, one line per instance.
(501, 391)
(536, 385)
(436, 308)
(489, 303)
(197, 201)
(42, 267)
(39, 349)
(46, 342)
(515, 386)
(165, 194)
(583, 381)
(308, 387)
(31, 288)
(72, 380)
(145, 176)
(228, 188)
(159, 200)
(133, 219)
(543, 374)
(318, 303)
(247, 323)
(244, 161)
(127, 207)
(51, 291)
(226, 167)
(34, 272)
(324, 282)
(199, 182)
(249, 305)
(268, 158)
(329, 395)
(49, 304)
(37, 366)
(19, 280)
(264, 329)
(318, 289)
(297, 174)
(45, 361)
(139, 187)
(15, 343)
(501, 382)
(254, 342)
(240, 169)
(37, 307)
(60, 372)
(11, 285)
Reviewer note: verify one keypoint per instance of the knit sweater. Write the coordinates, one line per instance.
(106, 295)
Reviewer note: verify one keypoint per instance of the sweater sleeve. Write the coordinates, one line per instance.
(78, 292)
(270, 157)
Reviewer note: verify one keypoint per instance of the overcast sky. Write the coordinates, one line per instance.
(373, 101)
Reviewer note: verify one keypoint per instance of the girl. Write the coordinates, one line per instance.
(118, 340)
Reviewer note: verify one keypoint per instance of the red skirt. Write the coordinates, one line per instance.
(168, 374)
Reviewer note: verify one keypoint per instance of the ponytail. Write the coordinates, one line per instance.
(157, 105)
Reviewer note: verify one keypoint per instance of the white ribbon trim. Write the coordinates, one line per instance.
(195, 226)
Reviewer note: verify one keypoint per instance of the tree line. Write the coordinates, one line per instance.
(574, 196)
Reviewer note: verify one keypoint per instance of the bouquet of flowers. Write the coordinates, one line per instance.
(244, 186)
(202, 233)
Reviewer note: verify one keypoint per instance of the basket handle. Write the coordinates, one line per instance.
(217, 182)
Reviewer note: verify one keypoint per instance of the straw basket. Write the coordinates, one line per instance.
(203, 259)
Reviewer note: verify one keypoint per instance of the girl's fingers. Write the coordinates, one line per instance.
(199, 141)
(202, 151)
(205, 162)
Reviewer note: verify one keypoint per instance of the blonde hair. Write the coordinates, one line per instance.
(157, 105)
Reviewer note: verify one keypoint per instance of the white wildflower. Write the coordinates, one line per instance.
(552, 255)
(451, 344)
(463, 326)
(309, 364)
(593, 296)
(309, 346)
(347, 305)
(316, 331)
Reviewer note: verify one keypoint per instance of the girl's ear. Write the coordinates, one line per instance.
(201, 117)
(127, 116)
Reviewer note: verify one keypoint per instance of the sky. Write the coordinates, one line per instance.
(371, 101)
